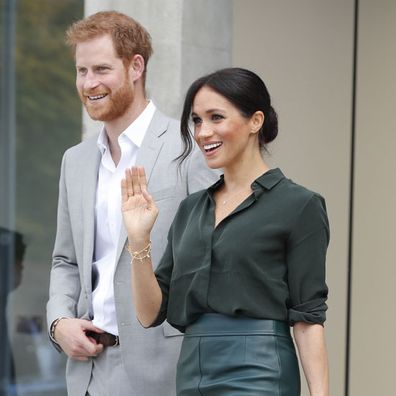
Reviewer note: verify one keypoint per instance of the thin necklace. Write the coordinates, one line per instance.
(225, 201)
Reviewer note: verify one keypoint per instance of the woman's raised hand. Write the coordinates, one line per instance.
(138, 207)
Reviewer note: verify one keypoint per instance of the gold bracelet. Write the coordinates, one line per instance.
(140, 254)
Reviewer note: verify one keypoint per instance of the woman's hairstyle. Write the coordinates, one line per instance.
(129, 37)
(241, 87)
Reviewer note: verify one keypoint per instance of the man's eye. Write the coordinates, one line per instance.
(82, 72)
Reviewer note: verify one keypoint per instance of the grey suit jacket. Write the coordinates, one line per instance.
(150, 355)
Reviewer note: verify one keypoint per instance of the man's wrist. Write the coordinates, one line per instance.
(53, 328)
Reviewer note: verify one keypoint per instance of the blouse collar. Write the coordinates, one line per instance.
(267, 181)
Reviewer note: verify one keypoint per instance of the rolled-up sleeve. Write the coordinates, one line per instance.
(306, 257)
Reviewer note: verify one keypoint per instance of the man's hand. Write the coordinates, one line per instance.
(70, 335)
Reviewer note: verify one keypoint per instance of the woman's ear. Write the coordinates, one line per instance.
(257, 121)
(136, 67)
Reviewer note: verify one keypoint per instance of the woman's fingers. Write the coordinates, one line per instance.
(128, 181)
(134, 182)
(142, 178)
(124, 189)
(143, 187)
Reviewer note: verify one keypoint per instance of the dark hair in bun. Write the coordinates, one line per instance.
(245, 90)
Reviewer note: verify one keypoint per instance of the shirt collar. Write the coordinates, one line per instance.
(102, 141)
(135, 132)
(267, 180)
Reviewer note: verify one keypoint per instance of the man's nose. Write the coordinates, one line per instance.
(91, 81)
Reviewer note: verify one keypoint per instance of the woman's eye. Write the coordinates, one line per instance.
(196, 120)
(216, 117)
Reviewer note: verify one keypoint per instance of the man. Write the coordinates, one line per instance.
(90, 312)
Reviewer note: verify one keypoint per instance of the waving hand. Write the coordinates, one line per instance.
(138, 207)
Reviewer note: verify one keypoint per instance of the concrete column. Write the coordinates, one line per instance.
(190, 38)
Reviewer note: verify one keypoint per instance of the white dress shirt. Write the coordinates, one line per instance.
(108, 217)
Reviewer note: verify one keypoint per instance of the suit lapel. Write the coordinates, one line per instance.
(147, 157)
(89, 180)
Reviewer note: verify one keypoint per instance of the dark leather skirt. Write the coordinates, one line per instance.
(226, 356)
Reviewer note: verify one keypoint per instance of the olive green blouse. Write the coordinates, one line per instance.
(265, 260)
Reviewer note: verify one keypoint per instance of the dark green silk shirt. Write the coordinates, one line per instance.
(265, 260)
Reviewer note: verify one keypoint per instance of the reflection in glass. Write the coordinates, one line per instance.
(47, 120)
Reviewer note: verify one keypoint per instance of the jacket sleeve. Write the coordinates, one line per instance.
(65, 286)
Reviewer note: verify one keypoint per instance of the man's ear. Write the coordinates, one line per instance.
(136, 67)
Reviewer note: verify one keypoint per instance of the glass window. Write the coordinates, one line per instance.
(40, 117)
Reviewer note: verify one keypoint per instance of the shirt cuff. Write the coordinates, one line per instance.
(313, 312)
(52, 333)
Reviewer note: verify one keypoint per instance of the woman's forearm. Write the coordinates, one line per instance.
(311, 347)
(147, 295)
(139, 213)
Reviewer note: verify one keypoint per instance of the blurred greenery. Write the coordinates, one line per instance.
(48, 116)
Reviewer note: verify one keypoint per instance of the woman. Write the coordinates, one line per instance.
(245, 258)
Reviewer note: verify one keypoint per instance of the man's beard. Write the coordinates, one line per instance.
(117, 104)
